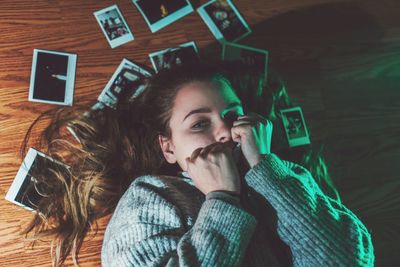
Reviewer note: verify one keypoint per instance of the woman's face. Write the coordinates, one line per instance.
(202, 114)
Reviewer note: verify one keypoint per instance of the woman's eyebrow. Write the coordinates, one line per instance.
(199, 110)
(208, 110)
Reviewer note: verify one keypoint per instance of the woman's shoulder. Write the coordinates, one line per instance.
(147, 192)
(148, 180)
(158, 181)
(152, 196)
(145, 204)
(151, 187)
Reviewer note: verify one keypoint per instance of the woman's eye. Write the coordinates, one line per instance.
(200, 125)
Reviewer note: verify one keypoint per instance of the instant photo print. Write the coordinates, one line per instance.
(24, 190)
(224, 20)
(114, 26)
(126, 82)
(168, 58)
(52, 77)
(160, 13)
(295, 126)
(255, 59)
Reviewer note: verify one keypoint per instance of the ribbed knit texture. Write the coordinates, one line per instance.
(166, 221)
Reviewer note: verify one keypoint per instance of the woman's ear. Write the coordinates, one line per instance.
(166, 146)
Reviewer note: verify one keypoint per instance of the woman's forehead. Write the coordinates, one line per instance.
(205, 96)
(213, 92)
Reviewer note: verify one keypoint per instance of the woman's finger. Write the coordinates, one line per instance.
(217, 148)
(254, 117)
(195, 154)
(243, 122)
(208, 149)
(241, 130)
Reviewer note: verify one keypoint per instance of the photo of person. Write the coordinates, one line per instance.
(224, 20)
(256, 60)
(126, 83)
(52, 77)
(160, 13)
(295, 127)
(122, 86)
(168, 58)
(113, 26)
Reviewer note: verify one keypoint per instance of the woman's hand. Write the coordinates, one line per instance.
(254, 134)
(213, 168)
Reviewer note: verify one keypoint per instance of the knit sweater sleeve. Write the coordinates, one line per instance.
(319, 230)
(148, 230)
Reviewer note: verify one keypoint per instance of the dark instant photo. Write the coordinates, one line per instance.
(47, 85)
(165, 59)
(155, 10)
(52, 77)
(255, 60)
(26, 190)
(160, 13)
(27, 194)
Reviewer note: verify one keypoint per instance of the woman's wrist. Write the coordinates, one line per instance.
(228, 196)
(253, 162)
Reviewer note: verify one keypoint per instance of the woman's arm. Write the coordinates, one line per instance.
(319, 230)
(146, 229)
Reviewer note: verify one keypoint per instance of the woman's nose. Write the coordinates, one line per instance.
(223, 133)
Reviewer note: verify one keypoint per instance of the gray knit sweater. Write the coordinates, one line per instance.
(167, 221)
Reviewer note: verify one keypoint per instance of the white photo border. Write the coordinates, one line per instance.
(154, 54)
(120, 40)
(162, 23)
(120, 67)
(261, 51)
(22, 174)
(214, 29)
(69, 82)
(20, 177)
(294, 142)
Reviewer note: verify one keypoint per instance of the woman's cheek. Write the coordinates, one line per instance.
(196, 143)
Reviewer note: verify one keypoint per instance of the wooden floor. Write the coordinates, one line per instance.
(340, 60)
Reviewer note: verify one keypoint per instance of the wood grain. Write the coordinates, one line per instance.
(340, 61)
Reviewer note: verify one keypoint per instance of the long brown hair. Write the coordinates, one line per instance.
(114, 146)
